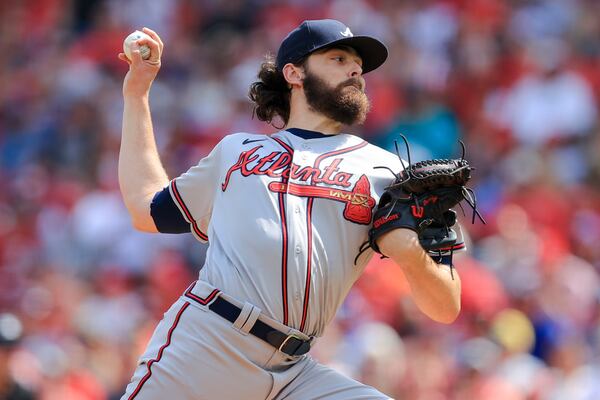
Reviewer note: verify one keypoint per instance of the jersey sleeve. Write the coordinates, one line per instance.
(166, 215)
(194, 191)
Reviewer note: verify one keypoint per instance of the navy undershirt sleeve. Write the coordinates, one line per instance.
(166, 214)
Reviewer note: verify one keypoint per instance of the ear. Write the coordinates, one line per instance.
(293, 75)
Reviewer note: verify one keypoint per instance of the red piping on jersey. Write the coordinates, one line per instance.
(188, 293)
(309, 226)
(309, 205)
(160, 353)
(187, 213)
(284, 235)
(283, 144)
(284, 257)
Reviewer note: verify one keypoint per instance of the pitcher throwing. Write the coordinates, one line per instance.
(285, 216)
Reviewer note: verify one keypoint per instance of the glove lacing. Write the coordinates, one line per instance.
(467, 193)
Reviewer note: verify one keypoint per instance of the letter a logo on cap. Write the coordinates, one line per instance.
(347, 33)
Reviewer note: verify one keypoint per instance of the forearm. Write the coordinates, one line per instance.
(141, 173)
(435, 287)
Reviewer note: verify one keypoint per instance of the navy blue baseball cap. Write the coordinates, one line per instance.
(313, 35)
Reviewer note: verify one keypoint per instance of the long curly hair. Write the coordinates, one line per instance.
(271, 93)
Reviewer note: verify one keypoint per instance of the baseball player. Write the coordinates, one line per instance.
(284, 215)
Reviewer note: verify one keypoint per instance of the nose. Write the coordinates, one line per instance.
(356, 70)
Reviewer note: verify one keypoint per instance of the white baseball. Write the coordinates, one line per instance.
(134, 36)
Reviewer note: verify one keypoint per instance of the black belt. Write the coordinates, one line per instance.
(291, 345)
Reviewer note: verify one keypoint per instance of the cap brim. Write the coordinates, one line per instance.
(372, 51)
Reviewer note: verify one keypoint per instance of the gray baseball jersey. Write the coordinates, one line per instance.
(285, 216)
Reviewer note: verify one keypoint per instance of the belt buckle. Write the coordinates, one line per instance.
(290, 336)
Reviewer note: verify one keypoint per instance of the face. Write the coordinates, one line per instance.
(334, 86)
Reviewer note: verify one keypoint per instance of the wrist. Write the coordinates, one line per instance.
(133, 96)
(136, 87)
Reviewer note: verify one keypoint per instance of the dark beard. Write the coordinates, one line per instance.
(345, 103)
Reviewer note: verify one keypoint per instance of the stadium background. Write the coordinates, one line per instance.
(518, 81)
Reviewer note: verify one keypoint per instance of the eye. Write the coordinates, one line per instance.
(339, 58)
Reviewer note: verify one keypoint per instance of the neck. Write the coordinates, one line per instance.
(304, 117)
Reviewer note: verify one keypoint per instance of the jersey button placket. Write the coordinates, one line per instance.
(303, 155)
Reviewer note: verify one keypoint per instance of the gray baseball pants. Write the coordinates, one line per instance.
(195, 354)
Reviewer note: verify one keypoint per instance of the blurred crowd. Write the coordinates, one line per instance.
(518, 81)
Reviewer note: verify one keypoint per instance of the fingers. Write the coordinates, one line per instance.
(154, 43)
(123, 57)
(155, 48)
(154, 36)
(136, 55)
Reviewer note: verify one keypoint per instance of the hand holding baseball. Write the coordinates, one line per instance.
(142, 51)
(133, 38)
